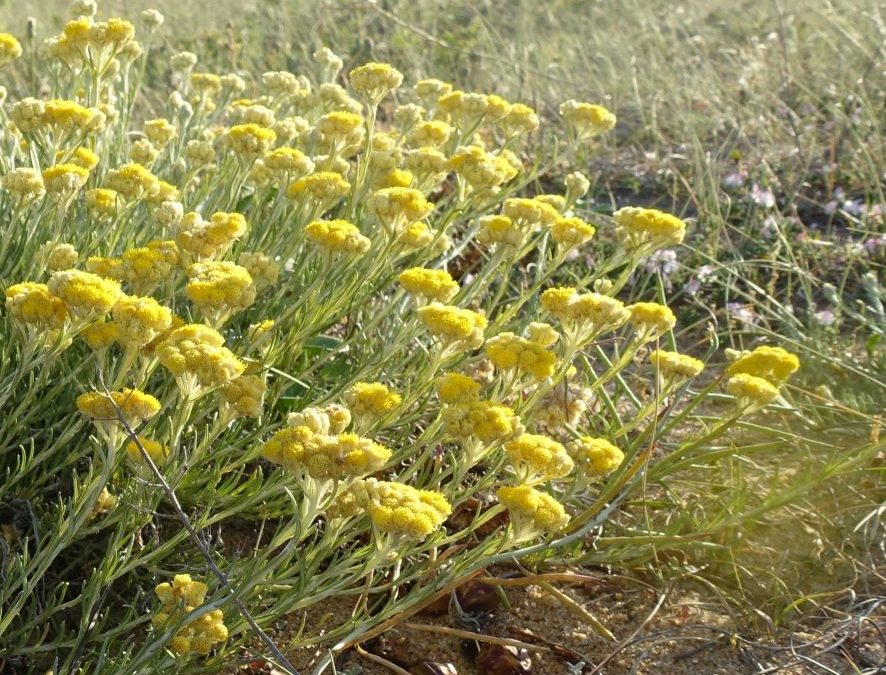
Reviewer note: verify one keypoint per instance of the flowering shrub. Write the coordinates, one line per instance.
(338, 314)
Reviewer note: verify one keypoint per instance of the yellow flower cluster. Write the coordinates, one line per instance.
(288, 163)
(457, 389)
(371, 399)
(508, 352)
(337, 236)
(323, 188)
(401, 509)
(133, 181)
(571, 232)
(31, 115)
(34, 305)
(648, 228)
(487, 421)
(584, 314)
(673, 365)
(564, 404)
(595, 457)
(204, 240)
(482, 170)
(302, 449)
(135, 406)
(139, 320)
(586, 120)
(538, 456)
(429, 285)
(453, 326)
(179, 599)
(429, 134)
(198, 352)
(243, 396)
(104, 504)
(24, 183)
(85, 295)
(330, 419)
(155, 450)
(83, 157)
(341, 132)
(774, 364)
(751, 391)
(220, 288)
(84, 40)
(529, 214)
(532, 511)
(102, 202)
(263, 270)
(147, 267)
(396, 208)
(160, 131)
(375, 80)
(58, 256)
(250, 141)
(651, 320)
(10, 48)
(64, 179)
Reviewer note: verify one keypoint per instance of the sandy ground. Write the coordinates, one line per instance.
(685, 630)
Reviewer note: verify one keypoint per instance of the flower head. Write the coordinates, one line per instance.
(570, 232)
(133, 181)
(534, 455)
(453, 326)
(651, 320)
(586, 120)
(675, 365)
(324, 188)
(649, 228)
(102, 202)
(203, 239)
(146, 267)
(372, 399)
(397, 207)
(155, 450)
(532, 512)
(770, 363)
(250, 141)
(139, 320)
(431, 134)
(429, 284)
(58, 256)
(482, 170)
(64, 179)
(262, 268)
(507, 351)
(457, 389)
(135, 405)
(198, 352)
(24, 183)
(34, 304)
(487, 421)
(375, 80)
(397, 508)
(751, 391)
(180, 598)
(337, 236)
(595, 456)
(86, 295)
(584, 315)
(10, 48)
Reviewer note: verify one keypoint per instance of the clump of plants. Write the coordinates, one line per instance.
(335, 311)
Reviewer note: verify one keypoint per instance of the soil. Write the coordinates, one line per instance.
(686, 630)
